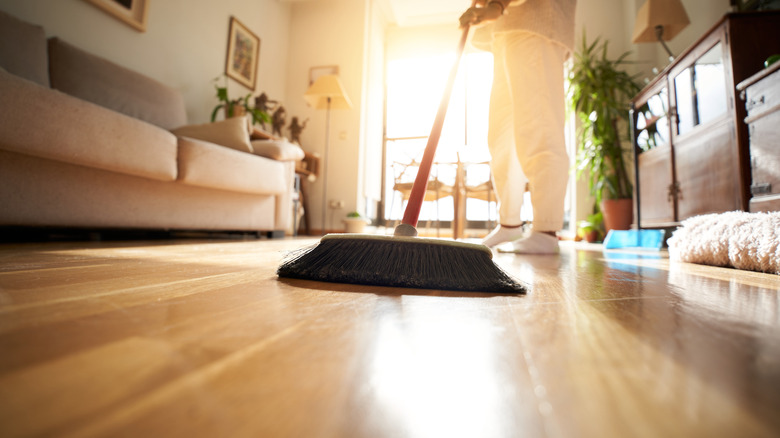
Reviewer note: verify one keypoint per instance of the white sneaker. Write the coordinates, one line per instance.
(502, 234)
(535, 243)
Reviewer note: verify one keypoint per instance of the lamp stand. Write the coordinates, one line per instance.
(325, 167)
(659, 33)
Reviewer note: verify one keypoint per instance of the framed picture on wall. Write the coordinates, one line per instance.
(243, 52)
(322, 70)
(130, 12)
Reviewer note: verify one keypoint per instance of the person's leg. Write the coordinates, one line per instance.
(508, 178)
(535, 70)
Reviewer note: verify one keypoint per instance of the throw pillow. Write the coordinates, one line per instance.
(230, 133)
(279, 150)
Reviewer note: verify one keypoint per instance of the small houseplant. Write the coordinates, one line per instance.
(590, 229)
(355, 223)
(599, 92)
(236, 107)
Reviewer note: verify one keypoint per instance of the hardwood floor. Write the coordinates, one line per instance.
(199, 338)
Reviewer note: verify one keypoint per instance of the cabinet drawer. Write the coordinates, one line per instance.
(765, 155)
(762, 101)
(763, 96)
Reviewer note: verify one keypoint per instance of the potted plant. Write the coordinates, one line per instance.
(237, 107)
(599, 92)
(355, 223)
(590, 229)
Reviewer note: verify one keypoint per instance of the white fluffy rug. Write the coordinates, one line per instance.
(749, 241)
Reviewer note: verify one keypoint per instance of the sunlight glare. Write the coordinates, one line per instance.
(414, 91)
(438, 377)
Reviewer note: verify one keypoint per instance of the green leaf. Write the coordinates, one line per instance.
(214, 112)
(222, 94)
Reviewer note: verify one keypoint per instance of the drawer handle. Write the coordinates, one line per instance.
(760, 188)
(674, 192)
(754, 103)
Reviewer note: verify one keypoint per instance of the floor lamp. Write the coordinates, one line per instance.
(327, 93)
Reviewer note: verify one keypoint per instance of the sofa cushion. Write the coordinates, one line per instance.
(280, 150)
(102, 82)
(209, 165)
(232, 133)
(46, 123)
(23, 49)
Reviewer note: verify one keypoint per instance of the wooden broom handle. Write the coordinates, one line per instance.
(417, 195)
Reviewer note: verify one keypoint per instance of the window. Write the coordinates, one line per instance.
(414, 90)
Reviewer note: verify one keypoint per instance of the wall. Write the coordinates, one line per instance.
(330, 32)
(184, 45)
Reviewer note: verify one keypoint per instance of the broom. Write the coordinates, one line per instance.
(404, 260)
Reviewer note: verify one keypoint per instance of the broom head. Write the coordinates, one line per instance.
(394, 261)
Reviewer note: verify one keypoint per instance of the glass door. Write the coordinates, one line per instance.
(700, 91)
(655, 187)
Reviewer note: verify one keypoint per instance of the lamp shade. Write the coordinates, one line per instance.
(327, 86)
(669, 14)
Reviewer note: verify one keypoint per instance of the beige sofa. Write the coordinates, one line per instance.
(86, 143)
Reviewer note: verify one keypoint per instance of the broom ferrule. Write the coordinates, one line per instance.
(405, 230)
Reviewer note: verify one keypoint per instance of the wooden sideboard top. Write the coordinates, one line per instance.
(758, 76)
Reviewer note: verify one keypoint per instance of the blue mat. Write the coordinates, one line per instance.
(651, 239)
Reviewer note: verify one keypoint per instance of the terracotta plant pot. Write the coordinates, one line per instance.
(355, 224)
(618, 214)
(591, 236)
(238, 110)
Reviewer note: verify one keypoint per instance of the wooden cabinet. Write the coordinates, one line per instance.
(690, 139)
(761, 94)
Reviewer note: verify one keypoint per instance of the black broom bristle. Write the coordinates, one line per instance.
(400, 262)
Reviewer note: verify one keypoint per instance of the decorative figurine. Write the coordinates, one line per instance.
(296, 129)
(278, 120)
(265, 105)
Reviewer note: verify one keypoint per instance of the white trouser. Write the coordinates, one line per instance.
(526, 134)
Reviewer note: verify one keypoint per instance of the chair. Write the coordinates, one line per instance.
(404, 174)
(481, 189)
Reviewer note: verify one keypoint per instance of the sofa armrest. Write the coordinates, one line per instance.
(46, 123)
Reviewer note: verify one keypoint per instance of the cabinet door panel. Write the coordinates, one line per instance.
(707, 168)
(655, 177)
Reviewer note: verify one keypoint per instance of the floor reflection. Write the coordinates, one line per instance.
(435, 375)
(705, 330)
(731, 300)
